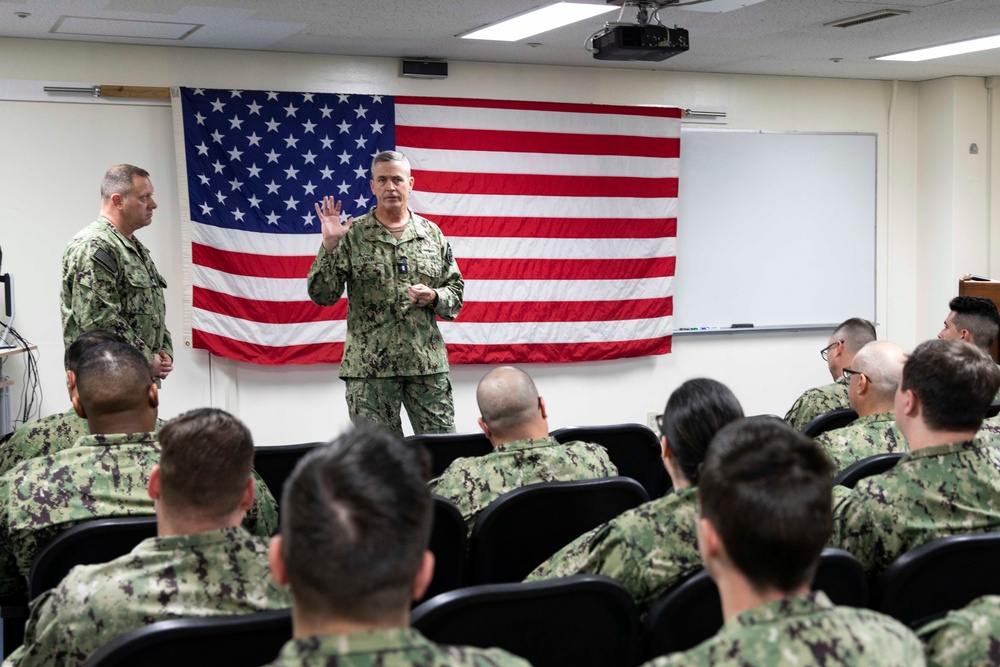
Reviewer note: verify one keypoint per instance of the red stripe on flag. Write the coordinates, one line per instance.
(248, 264)
(556, 353)
(565, 107)
(544, 185)
(565, 269)
(551, 228)
(266, 312)
(565, 311)
(443, 138)
(230, 348)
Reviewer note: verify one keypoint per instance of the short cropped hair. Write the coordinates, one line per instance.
(118, 180)
(855, 332)
(206, 456)
(86, 341)
(979, 316)
(391, 156)
(767, 490)
(955, 382)
(112, 377)
(694, 413)
(507, 398)
(355, 522)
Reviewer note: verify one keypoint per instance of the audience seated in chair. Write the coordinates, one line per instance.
(843, 344)
(202, 562)
(872, 380)
(949, 482)
(975, 320)
(969, 636)
(650, 548)
(765, 514)
(355, 524)
(513, 417)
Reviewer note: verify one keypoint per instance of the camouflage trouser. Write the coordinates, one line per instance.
(427, 399)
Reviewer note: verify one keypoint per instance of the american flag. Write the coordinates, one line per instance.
(562, 218)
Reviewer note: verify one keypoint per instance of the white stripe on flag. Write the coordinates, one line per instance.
(548, 248)
(255, 243)
(274, 335)
(539, 206)
(492, 162)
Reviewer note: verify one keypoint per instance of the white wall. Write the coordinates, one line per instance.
(47, 192)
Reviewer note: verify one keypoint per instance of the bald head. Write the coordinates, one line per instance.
(113, 381)
(509, 405)
(882, 365)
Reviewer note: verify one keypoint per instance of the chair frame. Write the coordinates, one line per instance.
(829, 421)
(655, 479)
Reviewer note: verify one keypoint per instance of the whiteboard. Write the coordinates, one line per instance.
(776, 229)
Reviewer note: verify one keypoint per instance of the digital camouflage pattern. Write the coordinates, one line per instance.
(102, 476)
(968, 637)
(814, 402)
(397, 647)
(386, 335)
(427, 398)
(933, 492)
(804, 630)
(647, 549)
(109, 283)
(866, 436)
(473, 482)
(216, 573)
(45, 436)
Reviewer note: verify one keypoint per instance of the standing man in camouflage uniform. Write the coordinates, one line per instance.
(59, 431)
(965, 637)
(109, 281)
(202, 563)
(400, 275)
(949, 482)
(765, 515)
(652, 547)
(844, 343)
(513, 417)
(355, 526)
(872, 381)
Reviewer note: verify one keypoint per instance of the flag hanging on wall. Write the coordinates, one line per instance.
(562, 218)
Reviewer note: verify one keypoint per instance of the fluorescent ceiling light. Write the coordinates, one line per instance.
(968, 46)
(538, 20)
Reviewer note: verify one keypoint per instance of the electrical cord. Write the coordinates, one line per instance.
(31, 386)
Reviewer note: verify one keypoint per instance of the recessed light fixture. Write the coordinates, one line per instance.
(538, 21)
(945, 50)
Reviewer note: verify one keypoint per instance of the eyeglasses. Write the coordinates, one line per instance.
(825, 352)
(659, 422)
(848, 372)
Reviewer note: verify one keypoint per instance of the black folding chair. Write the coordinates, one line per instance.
(829, 421)
(873, 465)
(580, 620)
(275, 463)
(523, 527)
(449, 544)
(633, 448)
(446, 447)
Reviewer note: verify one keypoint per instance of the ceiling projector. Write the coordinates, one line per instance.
(639, 42)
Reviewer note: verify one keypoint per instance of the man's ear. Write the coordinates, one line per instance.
(709, 542)
(246, 500)
(276, 560)
(966, 336)
(665, 451)
(424, 576)
(486, 429)
(78, 406)
(911, 403)
(154, 395)
(153, 488)
(541, 406)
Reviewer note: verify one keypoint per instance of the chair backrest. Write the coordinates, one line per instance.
(249, 640)
(691, 612)
(91, 542)
(873, 465)
(579, 620)
(993, 410)
(449, 544)
(275, 463)
(936, 577)
(633, 448)
(523, 527)
(446, 447)
(829, 421)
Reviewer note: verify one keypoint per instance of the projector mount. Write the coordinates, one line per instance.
(646, 10)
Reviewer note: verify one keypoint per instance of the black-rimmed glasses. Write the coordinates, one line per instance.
(848, 372)
(825, 352)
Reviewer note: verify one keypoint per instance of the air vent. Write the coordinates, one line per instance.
(862, 19)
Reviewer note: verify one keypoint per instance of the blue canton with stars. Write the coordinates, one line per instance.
(258, 161)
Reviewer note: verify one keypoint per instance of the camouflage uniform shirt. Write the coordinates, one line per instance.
(647, 549)
(474, 482)
(932, 492)
(968, 637)
(866, 436)
(386, 335)
(101, 476)
(109, 283)
(397, 647)
(216, 573)
(814, 402)
(805, 630)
